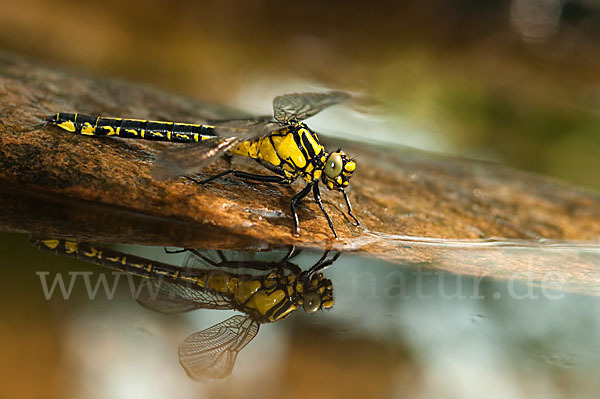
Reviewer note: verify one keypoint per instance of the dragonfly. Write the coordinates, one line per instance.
(284, 145)
(265, 292)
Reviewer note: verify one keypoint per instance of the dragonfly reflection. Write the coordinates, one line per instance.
(265, 291)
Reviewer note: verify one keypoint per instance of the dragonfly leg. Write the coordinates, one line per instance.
(323, 263)
(317, 195)
(292, 253)
(350, 208)
(241, 175)
(295, 200)
(275, 169)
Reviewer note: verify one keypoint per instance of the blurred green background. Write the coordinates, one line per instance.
(517, 82)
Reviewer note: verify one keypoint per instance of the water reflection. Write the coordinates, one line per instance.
(265, 291)
(396, 330)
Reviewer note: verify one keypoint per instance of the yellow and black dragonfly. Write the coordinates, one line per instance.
(285, 146)
(264, 291)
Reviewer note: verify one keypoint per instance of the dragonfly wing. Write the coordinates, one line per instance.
(191, 158)
(165, 297)
(211, 353)
(203, 259)
(300, 106)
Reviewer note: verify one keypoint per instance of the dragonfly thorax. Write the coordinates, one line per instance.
(277, 296)
(294, 150)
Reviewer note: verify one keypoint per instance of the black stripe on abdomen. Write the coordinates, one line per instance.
(80, 120)
(132, 128)
(186, 133)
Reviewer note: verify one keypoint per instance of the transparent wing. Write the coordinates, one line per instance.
(191, 158)
(245, 128)
(203, 259)
(211, 353)
(166, 297)
(299, 106)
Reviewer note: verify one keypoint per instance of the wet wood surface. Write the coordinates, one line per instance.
(101, 189)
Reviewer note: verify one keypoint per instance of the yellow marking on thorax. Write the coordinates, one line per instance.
(287, 149)
(246, 149)
(263, 302)
(219, 283)
(245, 289)
(111, 130)
(309, 137)
(269, 282)
(289, 310)
(267, 152)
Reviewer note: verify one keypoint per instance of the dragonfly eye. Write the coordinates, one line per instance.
(312, 302)
(333, 168)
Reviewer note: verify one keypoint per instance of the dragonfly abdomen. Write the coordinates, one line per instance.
(132, 128)
(108, 258)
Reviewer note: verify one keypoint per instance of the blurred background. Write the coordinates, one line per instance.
(516, 82)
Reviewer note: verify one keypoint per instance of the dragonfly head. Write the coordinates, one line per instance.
(338, 170)
(316, 293)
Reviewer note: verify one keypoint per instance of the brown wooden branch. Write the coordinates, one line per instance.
(101, 189)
